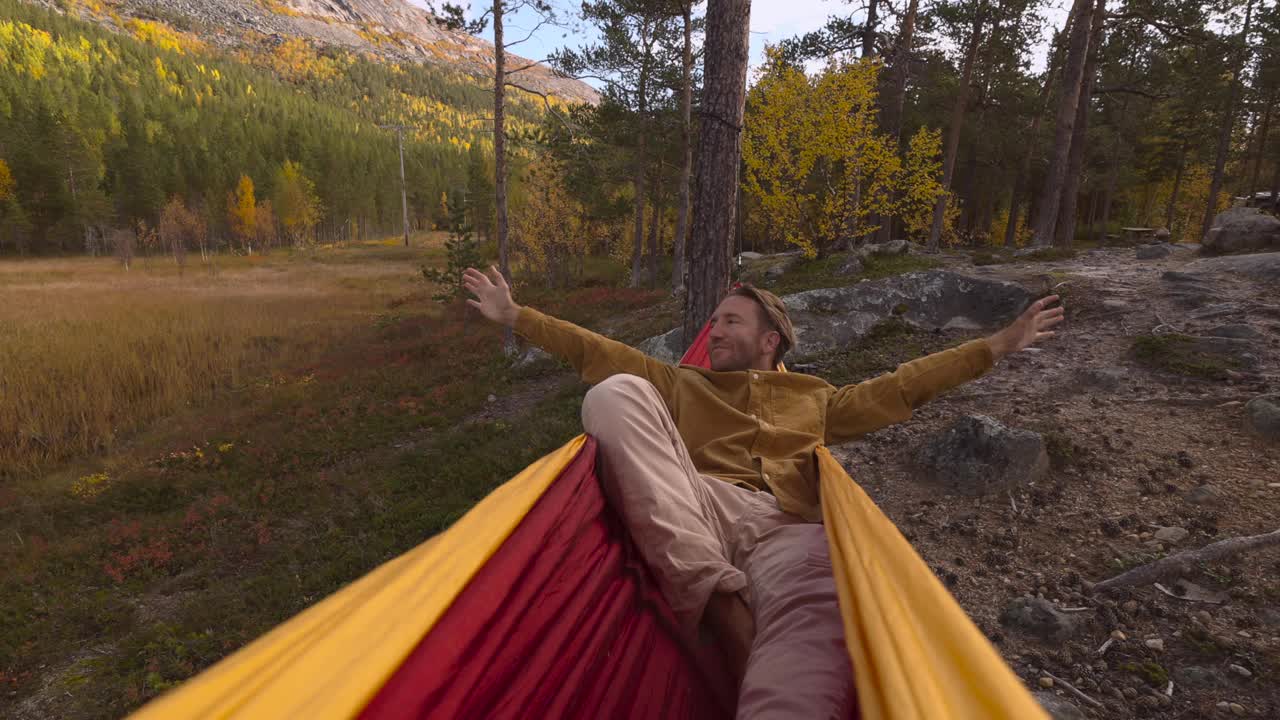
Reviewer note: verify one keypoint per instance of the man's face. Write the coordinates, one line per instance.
(741, 338)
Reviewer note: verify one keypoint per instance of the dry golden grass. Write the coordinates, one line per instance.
(90, 352)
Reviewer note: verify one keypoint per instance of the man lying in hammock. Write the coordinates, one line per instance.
(714, 474)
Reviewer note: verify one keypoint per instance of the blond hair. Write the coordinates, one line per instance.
(775, 313)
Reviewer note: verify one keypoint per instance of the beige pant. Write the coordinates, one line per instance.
(701, 535)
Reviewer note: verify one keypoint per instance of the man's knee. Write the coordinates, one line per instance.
(604, 402)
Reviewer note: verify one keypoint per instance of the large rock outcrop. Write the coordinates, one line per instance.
(1242, 229)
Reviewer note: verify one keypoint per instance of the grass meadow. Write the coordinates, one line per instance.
(186, 460)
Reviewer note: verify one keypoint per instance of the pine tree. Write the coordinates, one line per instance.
(461, 252)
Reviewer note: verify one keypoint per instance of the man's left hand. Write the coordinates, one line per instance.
(1031, 326)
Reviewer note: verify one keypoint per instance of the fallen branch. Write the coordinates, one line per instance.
(1184, 563)
(1190, 400)
(1072, 689)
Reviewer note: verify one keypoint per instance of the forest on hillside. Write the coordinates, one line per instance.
(102, 131)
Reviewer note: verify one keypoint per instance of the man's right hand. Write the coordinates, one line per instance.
(493, 295)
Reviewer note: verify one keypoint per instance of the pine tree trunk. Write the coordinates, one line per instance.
(715, 194)
(1112, 179)
(1177, 186)
(1224, 132)
(637, 232)
(655, 246)
(1080, 133)
(639, 182)
(1262, 144)
(686, 142)
(500, 156)
(1024, 169)
(1072, 77)
(953, 132)
(869, 31)
(892, 112)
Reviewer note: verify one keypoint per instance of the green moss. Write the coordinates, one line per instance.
(1178, 354)
(1152, 672)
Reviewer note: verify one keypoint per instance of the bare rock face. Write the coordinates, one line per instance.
(980, 456)
(1242, 229)
(393, 29)
(1259, 266)
(834, 317)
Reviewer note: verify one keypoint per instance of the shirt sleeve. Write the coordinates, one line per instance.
(594, 356)
(855, 410)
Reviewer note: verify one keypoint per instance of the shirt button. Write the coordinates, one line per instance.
(753, 416)
(755, 376)
(765, 476)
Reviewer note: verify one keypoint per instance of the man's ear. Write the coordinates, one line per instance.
(772, 340)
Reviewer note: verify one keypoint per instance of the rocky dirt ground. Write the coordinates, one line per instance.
(1150, 454)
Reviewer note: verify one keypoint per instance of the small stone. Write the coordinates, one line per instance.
(1155, 644)
(1046, 682)
(1172, 535)
(1205, 495)
(1244, 634)
(1130, 606)
(1237, 709)
(1203, 616)
(1274, 486)
(1224, 706)
(1240, 670)
(492, 398)
(1117, 635)
(1263, 414)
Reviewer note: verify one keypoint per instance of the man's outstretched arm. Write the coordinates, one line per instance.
(594, 356)
(855, 410)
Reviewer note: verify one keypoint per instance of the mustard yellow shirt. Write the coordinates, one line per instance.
(755, 428)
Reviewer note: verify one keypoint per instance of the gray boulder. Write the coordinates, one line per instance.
(1153, 252)
(852, 265)
(666, 347)
(1242, 229)
(980, 456)
(1163, 234)
(1039, 618)
(1263, 413)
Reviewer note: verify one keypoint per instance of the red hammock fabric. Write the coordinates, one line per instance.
(564, 621)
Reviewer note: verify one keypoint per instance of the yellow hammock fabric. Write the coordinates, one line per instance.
(915, 653)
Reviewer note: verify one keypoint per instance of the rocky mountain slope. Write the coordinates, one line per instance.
(392, 29)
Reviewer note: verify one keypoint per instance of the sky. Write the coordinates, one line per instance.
(772, 21)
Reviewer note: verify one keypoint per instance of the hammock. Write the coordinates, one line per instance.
(535, 604)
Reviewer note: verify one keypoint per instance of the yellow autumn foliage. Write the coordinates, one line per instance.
(816, 163)
(548, 226)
